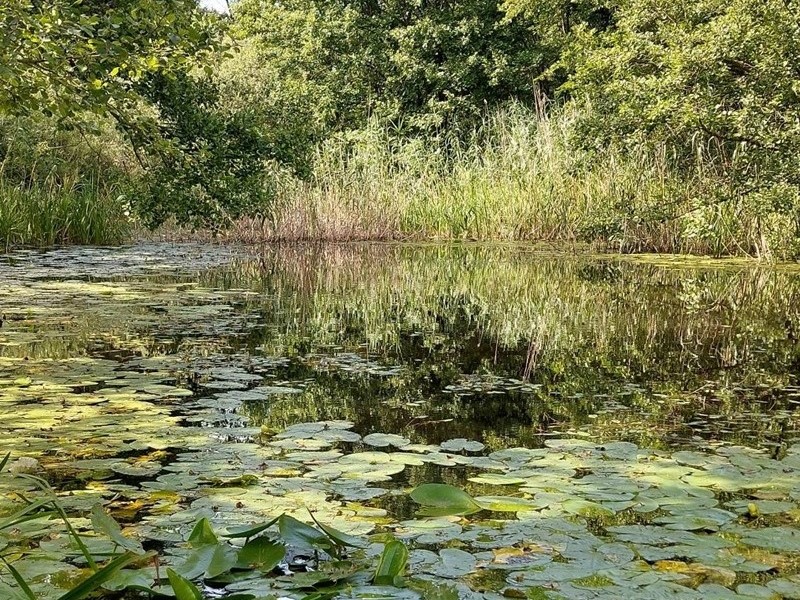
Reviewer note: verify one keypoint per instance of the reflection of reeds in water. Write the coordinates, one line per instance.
(548, 305)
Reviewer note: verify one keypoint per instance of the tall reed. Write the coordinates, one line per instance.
(65, 212)
(520, 176)
(62, 186)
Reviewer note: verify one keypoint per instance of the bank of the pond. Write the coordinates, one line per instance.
(519, 179)
(522, 178)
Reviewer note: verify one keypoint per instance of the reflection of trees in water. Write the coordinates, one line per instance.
(626, 348)
(643, 349)
(701, 317)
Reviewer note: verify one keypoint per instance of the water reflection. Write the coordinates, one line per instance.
(499, 344)
(509, 346)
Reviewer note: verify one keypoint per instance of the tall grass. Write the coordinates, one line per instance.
(518, 177)
(61, 186)
(57, 213)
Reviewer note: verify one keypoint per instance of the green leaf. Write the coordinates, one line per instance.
(392, 564)
(94, 582)
(19, 579)
(249, 530)
(208, 561)
(4, 461)
(27, 513)
(223, 559)
(339, 537)
(105, 524)
(297, 533)
(183, 588)
(202, 534)
(74, 534)
(327, 573)
(262, 554)
(585, 508)
(440, 499)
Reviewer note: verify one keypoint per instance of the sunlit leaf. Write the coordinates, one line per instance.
(183, 588)
(262, 554)
(391, 564)
(440, 499)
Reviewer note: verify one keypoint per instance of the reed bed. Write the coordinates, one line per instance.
(61, 212)
(521, 177)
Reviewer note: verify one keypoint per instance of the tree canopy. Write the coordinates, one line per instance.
(61, 57)
(215, 105)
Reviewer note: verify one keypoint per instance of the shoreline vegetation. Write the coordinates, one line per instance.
(517, 178)
(624, 125)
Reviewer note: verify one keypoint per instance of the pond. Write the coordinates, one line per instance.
(628, 425)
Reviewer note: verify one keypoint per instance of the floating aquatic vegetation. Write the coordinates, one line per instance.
(170, 387)
(561, 520)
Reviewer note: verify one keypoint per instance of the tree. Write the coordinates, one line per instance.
(147, 65)
(207, 164)
(418, 65)
(719, 79)
(65, 57)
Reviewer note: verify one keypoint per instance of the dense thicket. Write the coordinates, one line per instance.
(225, 116)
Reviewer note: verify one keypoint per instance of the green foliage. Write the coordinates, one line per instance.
(686, 139)
(208, 164)
(137, 63)
(61, 58)
(54, 214)
(392, 564)
(183, 588)
(520, 176)
(202, 534)
(441, 500)
(421, 66)
(712, 79)
(208, 559)
(261, 553)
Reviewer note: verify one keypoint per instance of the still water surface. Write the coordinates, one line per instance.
(501, 345)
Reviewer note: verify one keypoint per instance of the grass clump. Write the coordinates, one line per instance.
(52, 214)
(61, 186)
(522, 176)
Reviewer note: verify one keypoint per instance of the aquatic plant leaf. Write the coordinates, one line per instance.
(453, 563)
(507, 503)
(383, 440)
(183, 588)
(218, 559)
(105, 524)
(249, 530)
(497, 479)
(139, 469)
(262, 554)
(202, 534)
(780, 539)
(391, 564)
(297, 533)
(439, 499)
(461, 445)
(786, 587)
(27, 513)
(761, 507)
(338, 537)
(97, 579)
(585, 508)
(328, 572)
(23, 585)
